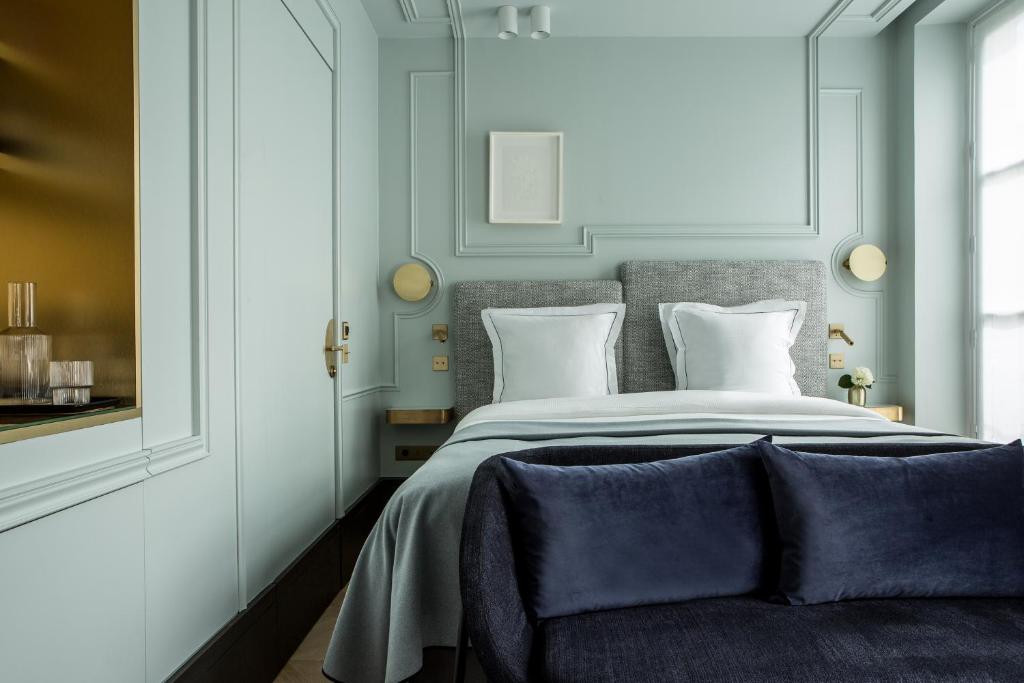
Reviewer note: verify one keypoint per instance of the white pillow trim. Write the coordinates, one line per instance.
(767, 306)
(592, 310)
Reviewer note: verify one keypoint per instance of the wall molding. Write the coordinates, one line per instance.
(412, 14)
(415, 79)
(362, 393)
(590, 234)
(236, 203)
(179, 452)
(175, 454)
(35, 499)
(38, 498)
(877, 296)
(875, 16)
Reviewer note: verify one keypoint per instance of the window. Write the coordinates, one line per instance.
(999, 222)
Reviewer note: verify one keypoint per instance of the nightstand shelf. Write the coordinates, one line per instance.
(893, 413)
(419, 416)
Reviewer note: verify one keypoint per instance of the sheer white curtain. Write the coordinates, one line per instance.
(999, 193)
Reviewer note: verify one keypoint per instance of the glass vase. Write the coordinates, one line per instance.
(858, 396)
(24, 349)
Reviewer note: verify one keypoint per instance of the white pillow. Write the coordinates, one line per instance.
(741, 348)
(553, 352)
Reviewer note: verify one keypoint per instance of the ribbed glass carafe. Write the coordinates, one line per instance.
(24, 349)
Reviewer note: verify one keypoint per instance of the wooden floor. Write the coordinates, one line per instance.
(307, 661)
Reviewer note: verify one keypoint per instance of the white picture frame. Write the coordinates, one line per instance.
(526, 184)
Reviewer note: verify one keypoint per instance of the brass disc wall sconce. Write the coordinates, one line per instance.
(867, 262)
(412, 282)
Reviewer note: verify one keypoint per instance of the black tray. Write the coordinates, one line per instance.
(50, 410)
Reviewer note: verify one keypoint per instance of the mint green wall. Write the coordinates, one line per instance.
(941, 227)
(657, 131)
(696, 134)
(930, 107)
(901, 260)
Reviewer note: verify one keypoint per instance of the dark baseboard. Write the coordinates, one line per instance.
(256, 644)
(439, 667)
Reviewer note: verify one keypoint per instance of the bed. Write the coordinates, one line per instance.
(404, 593)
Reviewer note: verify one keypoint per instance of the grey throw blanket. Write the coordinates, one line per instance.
(404, 592)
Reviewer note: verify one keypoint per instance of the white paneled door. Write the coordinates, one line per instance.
(286, 400)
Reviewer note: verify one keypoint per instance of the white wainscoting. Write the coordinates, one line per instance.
(145, 539)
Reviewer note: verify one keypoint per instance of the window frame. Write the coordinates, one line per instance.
(975, 26)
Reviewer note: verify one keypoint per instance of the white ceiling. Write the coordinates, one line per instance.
(956, 11)
(637, 18)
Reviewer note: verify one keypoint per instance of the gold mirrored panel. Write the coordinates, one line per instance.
(68, 202)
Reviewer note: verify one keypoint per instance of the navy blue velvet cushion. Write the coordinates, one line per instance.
(591, 538)
(941, 525)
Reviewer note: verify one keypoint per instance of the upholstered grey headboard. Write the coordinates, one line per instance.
(645, 284)
(474, 364)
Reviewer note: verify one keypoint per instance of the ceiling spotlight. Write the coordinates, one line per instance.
(540, 22)
(508, 22)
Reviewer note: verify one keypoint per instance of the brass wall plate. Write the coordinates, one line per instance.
(439, 332)
(345, 330)
(330, 349)
(417, 453)
(439, 364)
(836, 361)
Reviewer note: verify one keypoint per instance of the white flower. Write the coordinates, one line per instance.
(862, 377)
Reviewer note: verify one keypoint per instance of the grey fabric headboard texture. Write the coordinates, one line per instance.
(643, 360)
(645, 284)
(474, 364)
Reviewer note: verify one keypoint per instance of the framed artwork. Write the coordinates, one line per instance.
(526, 178)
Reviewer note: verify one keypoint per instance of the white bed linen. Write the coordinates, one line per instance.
(554, 351)
(662, 404)
(741, 348)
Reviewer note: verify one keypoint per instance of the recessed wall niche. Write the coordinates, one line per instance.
(69, 195)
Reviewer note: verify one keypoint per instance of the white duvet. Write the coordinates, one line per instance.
(667, 404)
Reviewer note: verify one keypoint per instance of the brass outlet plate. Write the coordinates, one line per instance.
(410, 453)
(836, 361)
(440, 364)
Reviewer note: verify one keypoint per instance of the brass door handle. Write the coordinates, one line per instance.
(330, 348)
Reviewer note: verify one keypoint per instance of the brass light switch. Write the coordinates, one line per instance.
(440, 364)
(345, 329)
(439, 332)
(836, 361)
(838, 331)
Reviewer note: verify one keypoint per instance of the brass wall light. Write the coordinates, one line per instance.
(867, 262)
(412, 282)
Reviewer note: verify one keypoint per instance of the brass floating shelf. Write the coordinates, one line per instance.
(419, 416)
(891, 413)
